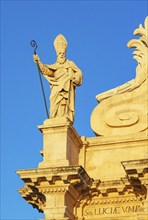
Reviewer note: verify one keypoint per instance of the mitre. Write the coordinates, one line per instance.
(60, 43)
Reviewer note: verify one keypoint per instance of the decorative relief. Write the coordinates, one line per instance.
(123, 110)
(52, 190)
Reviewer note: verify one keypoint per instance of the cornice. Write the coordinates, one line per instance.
(53, 180)
(113, 142)
(53, 174)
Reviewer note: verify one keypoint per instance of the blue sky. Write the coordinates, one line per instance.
(97, 33)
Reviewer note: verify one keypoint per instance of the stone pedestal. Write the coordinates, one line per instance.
(61, 143)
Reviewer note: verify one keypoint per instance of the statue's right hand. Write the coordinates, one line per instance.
(36, 58)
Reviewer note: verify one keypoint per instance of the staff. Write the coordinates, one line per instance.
(34, 44)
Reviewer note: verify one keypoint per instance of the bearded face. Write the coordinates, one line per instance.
(61, 57)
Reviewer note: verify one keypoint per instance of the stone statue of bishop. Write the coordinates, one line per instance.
(63, 77)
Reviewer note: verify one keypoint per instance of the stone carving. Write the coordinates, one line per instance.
(137, 171)
(119, 198)
(60, 187)
(123, 110)
(140, 53)
(43, 186)
(63, 77)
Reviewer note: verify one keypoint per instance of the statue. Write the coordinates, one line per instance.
(141, 54)
(124, 109)
(63, 77)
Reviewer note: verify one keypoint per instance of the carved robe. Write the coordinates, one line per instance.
(63, 79)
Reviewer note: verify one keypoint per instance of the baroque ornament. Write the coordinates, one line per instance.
(92, 178)
(123, 110)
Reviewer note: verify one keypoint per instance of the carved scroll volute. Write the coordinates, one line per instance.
(124, 110)
(141, 51)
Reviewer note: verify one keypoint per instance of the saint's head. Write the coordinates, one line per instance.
(60, 45)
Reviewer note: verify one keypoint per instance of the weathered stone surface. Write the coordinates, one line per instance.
(113, 182)
(124, 110)
(61, 143)
(56, 190)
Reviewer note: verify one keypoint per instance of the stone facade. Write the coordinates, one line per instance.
(103, 177)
